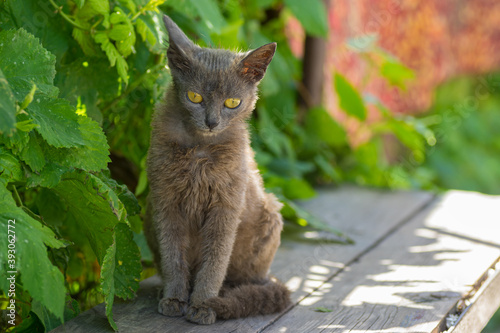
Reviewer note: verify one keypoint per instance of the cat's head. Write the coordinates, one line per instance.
(215, 86)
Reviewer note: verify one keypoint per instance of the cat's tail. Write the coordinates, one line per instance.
(251, 300)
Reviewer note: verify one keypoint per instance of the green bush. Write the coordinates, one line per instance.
(465, 120)
(79, 79)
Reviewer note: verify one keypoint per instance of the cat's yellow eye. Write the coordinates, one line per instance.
(194, 97)
(232, 103)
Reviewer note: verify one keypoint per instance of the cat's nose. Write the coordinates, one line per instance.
(211, 123)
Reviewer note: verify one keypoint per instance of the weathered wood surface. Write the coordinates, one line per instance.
(483, 306)
(410, 281)
(414, 256)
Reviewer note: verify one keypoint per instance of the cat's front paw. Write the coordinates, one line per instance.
(172, 307)
(201, 314)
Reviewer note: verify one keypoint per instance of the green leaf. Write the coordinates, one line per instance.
(26, 125)
(122, 68)
(142, 183)
(92, 8)
(349, 99)
(272, 136)
(25, 62)
(128, 263)
(87, 43)
(29, 98)
(80, 3)
(58, 122)
(50, 207)
(334, 173)
(32, 154)
(95, 150)
(154, 23)
(93, 155)
(311, 14)
(320, 123)
(100, 213)
(113, 55)
(121, 269)
(102, 38)
(99, 219)
(302, 217)
(129, 4)
(43, 280)
(322, 309)
(78, 84)
(49, 177)
(30, 324)
(10, 168)
(7, 106)
(122, 32)
(124, 194)
(39, 19)
(142, 243)
(396, 73)
(297, 188)
(263, 3)
(145, 32)
(18, 139)
(210, 14)
(108, 283)
(407, 134)
(50, 322)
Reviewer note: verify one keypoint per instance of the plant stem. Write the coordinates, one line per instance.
(92, 28)
(19, 203)
(66, 17)
(32, 215)
(140, 12)
(17, 198)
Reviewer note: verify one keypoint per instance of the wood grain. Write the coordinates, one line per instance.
(484, 305)
(368, 216)
(410, 281)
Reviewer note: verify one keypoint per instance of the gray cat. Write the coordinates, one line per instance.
(212, 228)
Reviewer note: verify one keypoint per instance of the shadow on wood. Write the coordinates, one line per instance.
(414, 257)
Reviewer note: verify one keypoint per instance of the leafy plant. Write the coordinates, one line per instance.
(53, 156)
(465, 120)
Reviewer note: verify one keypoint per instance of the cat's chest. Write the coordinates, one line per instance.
(201, 178)
(201, 168)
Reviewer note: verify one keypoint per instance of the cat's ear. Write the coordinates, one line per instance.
(254, 65)
(180, 46)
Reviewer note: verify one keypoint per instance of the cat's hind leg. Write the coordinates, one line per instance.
(248, 289)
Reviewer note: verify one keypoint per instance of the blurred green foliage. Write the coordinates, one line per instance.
(80, 79)
(465, 121)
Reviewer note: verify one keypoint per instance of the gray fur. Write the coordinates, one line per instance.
(212, 228)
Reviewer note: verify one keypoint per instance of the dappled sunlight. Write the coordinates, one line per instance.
(312, 281)
(378, 295)
(407, 282)
(294, 283)
(313, 298)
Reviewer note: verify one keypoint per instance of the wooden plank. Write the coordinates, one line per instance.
(483, 305)
(368, 216)
(410, 281)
